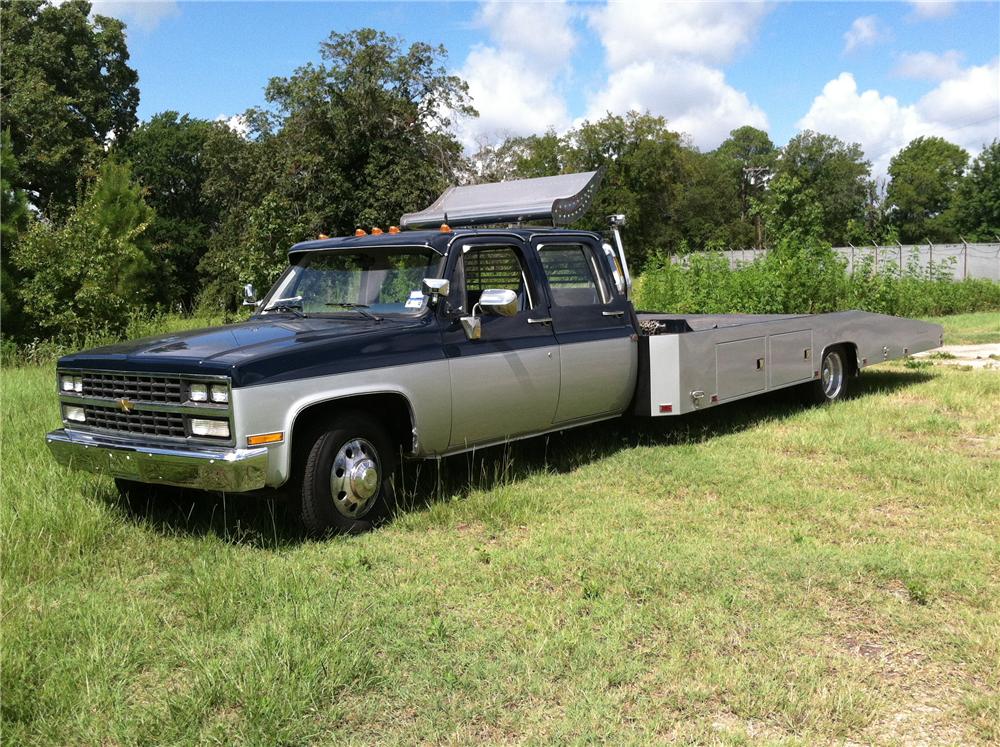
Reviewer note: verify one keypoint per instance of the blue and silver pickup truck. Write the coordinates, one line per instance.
(426, 342)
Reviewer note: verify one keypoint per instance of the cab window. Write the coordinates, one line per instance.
(573, 275)
(482, 268)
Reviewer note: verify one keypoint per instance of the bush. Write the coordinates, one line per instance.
(90, 275)
(803, 279)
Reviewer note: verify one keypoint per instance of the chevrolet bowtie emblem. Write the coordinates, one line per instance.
(126, 405)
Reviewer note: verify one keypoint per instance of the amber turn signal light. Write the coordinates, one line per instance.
(266, 438)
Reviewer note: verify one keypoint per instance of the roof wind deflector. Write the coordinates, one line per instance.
(561, 199)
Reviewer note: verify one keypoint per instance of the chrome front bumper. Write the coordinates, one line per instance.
(206, 468)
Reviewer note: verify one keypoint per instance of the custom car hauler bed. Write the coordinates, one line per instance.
(427, 342)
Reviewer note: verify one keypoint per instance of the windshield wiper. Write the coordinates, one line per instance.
(294, 305)
(358, 307)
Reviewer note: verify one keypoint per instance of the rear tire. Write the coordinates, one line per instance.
(832, 384)
(348, 478)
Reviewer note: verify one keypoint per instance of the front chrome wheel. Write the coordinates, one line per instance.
(355, 478)
(833, 374)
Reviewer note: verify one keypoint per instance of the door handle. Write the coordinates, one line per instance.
(543, 320)
(613, 313)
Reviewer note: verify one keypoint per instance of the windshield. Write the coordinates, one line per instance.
(376, 281)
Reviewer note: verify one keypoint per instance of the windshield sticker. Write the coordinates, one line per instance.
(416, 300)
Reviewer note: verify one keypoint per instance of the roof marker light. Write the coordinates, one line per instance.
(361, 232)
(322, 236)
(393, 229)
(445, 228)
(376, 231)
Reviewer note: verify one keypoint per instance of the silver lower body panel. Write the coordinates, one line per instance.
(207, 468)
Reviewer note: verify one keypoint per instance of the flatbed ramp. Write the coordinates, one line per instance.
(692, 362)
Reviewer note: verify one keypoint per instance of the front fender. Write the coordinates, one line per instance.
(270, 408)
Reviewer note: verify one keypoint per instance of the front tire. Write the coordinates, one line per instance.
(348, 478)
(831, 386)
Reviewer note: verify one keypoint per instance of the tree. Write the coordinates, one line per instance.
(836, 174)
(751, 158)
(66, 90)
(356, 140)
(645, 171)
(94, 272)
(13, 219)
(167, 156)
(924, 179)
(977, 203)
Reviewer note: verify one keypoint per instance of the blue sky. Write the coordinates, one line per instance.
(875, 73)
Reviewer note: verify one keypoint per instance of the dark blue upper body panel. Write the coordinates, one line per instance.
(282, 347)
(277, 348)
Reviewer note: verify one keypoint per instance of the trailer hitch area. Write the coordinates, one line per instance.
(697, 396)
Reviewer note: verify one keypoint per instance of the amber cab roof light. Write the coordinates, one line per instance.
(361, 232)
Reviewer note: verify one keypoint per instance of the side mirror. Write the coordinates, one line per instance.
(434, 288)
(499, 302)
(250, 295)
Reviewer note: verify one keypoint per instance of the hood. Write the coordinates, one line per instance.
(219, 349)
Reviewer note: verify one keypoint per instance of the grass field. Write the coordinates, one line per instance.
(759, 573)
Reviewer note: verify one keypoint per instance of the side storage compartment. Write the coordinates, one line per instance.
(790, 358)
(740, 367)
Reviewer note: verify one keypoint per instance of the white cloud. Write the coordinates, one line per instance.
(929, 66)
(864, 32)
(932, 8)
(513, 79)
(662, 58)
(964, 109)
(143, 14)
(693, 97)
(236, 122)
(651, 29)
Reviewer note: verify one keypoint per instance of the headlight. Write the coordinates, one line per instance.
(213, 428)
(71, 383)
(76, 414)
(219, 393)
(198, 392)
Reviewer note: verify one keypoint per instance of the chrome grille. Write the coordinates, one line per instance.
(145, 423)
(135, 387)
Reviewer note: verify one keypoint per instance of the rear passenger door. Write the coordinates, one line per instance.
(593, 325)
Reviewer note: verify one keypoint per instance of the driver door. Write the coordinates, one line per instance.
(506, 383)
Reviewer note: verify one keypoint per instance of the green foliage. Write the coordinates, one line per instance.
(806, 277)
(354, 141)
(978, 203)
(92, 272)
(836, 175)
(13, 219)
(925, 176)
(66, 88)
(167, 155)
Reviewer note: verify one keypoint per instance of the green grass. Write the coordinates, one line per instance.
(970, 329)
(756, 573)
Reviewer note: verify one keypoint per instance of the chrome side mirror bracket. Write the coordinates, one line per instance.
(250, 295)
(498, 302)
(473, 327)
(434, 288)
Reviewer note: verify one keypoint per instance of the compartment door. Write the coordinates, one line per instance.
(740, 367)
(790, 358)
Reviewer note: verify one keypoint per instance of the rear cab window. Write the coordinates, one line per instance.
(573, 274)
